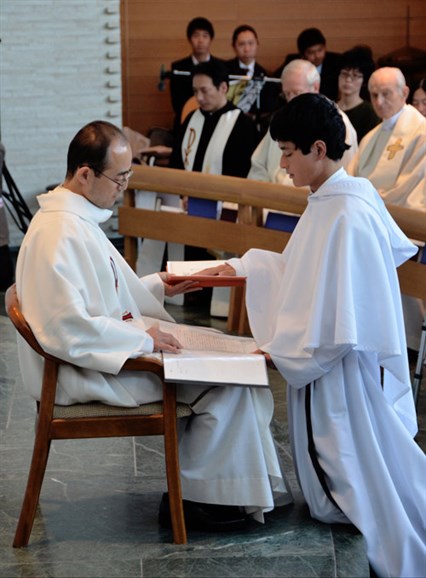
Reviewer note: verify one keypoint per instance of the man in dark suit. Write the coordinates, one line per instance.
(200, 33)
(311, 44)
(250, 96)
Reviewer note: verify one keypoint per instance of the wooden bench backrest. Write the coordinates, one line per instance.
(251, 197)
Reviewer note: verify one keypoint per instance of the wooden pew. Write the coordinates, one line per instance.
(251, 197)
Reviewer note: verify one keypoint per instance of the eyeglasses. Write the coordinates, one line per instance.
(120, 180)
(351, 75)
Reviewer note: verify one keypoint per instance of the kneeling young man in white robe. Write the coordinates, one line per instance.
(86, 305)
(327, 312)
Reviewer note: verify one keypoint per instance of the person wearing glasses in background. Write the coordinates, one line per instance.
(357, 66)
(87, 306)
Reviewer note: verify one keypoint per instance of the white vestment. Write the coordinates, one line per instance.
(86, 305)
(328, 310)
(399, 171)
(395, 162)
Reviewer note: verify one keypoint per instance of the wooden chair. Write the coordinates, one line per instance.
(95, 420)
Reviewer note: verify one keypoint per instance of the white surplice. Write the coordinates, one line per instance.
(86, 305)
(394, 160)
(393, 157)
(328, 310)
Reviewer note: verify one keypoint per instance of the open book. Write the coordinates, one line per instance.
(210, 356)
(186, 270)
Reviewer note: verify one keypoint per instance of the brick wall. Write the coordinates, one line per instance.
(60, 68)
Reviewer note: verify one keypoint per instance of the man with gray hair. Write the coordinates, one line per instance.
(392, 155)
(298, 77)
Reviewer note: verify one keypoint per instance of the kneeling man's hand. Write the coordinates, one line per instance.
(222, 270)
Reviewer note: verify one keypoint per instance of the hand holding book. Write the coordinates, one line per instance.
(221, 274)
(174, 286)
(221, 270)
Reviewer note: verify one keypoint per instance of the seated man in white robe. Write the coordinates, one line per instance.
(393, 157)
(327, 312)
(87, 306)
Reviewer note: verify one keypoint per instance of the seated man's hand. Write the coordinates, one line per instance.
(183, 287)
(223, 270)
(164, 341)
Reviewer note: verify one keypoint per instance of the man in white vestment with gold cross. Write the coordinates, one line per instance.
(392, 155)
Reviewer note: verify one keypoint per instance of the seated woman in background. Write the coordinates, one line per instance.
(357, 65)
(418, 96)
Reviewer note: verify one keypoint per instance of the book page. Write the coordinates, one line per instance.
(210, 356)
(185, 268)
(207, 339)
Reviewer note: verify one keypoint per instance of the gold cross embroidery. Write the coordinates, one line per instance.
(191, 140)
(394, 148)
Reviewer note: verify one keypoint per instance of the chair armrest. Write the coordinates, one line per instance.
(145, 363)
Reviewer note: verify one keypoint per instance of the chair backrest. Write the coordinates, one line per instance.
(14, 312)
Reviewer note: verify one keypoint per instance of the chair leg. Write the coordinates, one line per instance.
(172, 467)
(32, 492)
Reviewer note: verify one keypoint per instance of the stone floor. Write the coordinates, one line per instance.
(98, 509)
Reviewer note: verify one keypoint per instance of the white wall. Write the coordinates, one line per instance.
(60, 68)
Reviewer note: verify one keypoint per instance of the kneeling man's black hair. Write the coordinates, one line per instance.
(307, 118)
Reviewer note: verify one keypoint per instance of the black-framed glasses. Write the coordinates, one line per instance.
(120, 180)
(351, 75)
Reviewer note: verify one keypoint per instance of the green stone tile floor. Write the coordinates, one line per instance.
(99, 504)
